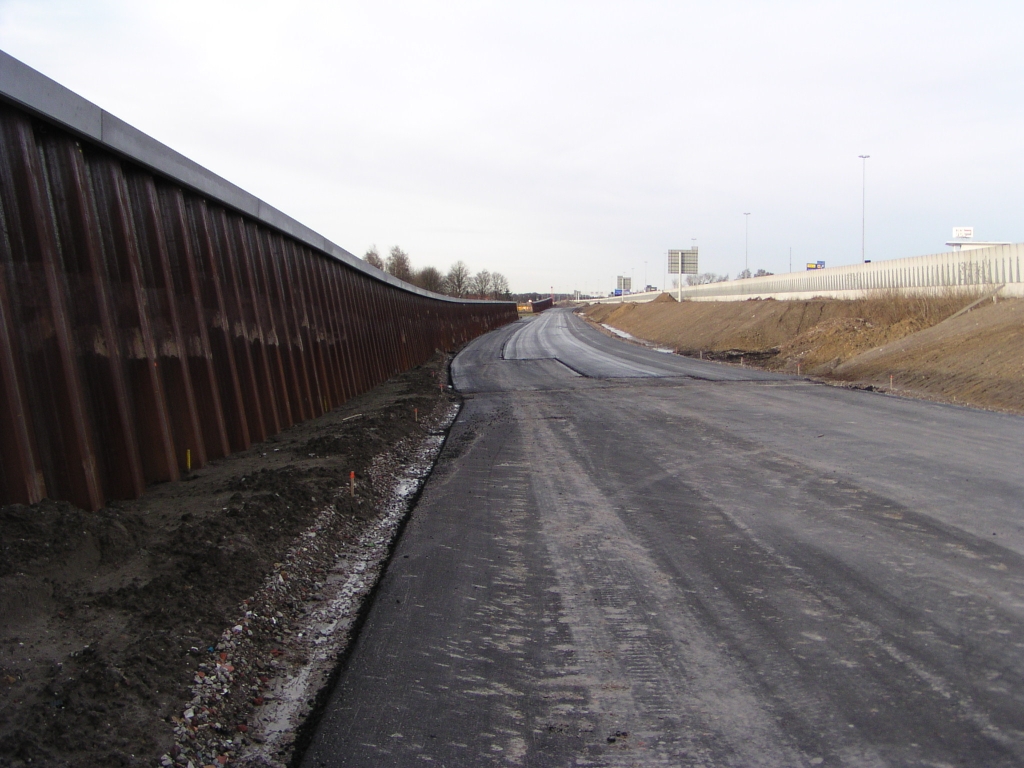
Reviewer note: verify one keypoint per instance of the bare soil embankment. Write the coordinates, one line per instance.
(976, 358)
(160, 630)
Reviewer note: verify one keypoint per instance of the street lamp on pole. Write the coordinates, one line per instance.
(746, 243)
(863, 200)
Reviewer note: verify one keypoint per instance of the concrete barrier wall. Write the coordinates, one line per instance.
(981, 268)
(154, 317)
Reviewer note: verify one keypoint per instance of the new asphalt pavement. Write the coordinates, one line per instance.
(625, 557)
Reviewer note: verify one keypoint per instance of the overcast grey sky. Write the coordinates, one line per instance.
(563, 143)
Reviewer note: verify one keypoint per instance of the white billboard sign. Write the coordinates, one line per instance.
(689, 262)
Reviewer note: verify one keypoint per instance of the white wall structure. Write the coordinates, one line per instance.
(982, 268)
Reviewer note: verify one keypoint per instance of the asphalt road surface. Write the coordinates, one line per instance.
(628, 558)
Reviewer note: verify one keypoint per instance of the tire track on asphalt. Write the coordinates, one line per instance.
(825, 591)
(650, 669)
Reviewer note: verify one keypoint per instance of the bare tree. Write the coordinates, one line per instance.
(763, 273)
(481, 284)
(499, 286)
(457, 280)
(429, 279)
(398, 264)
(373, 258)
(745, 274)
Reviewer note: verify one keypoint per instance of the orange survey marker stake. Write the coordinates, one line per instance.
(797, 367)
(188, 459)
(352, 483)
(416, 415)
(890, 381)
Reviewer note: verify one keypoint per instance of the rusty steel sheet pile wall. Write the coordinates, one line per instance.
(143, 323)
(541, 304)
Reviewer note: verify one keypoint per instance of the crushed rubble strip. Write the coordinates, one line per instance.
(255, 688)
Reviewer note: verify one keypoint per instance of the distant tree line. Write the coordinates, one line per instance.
(705, 278)
(760, 273)
(459, 280)
(523, 298)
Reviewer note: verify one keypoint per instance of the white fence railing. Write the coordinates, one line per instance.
(998, 265)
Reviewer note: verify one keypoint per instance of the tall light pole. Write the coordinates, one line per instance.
(746, 243)
(863, 200)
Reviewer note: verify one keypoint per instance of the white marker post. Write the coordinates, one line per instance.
(679, 285)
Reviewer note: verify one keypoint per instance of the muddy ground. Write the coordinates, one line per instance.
(158, 631)
(913, 346)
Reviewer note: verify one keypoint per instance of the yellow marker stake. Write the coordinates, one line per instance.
(188, 459)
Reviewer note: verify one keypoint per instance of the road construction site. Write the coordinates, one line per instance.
(629, 557)
(623, 556)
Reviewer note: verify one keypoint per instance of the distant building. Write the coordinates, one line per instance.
(963, 240)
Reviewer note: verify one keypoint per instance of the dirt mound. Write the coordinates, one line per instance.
(974, 358)
(826, 345)
(761, 325)
(716, 326)
(105, 617)
(977, 358)
(664, 298)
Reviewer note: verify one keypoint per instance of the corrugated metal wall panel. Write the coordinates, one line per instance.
(144, 327)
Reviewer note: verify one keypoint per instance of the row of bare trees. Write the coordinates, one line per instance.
(710, 277)
(459, 281)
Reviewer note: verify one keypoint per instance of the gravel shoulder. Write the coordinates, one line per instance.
(200, 624)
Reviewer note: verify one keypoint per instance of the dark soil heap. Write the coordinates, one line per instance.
(105, 616)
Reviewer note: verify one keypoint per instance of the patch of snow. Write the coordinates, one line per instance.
(621, 334)
(630, 337)
(357, 568)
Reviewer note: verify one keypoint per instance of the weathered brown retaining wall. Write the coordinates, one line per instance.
(143, 322)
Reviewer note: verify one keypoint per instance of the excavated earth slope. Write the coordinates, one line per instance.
(975, 358)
